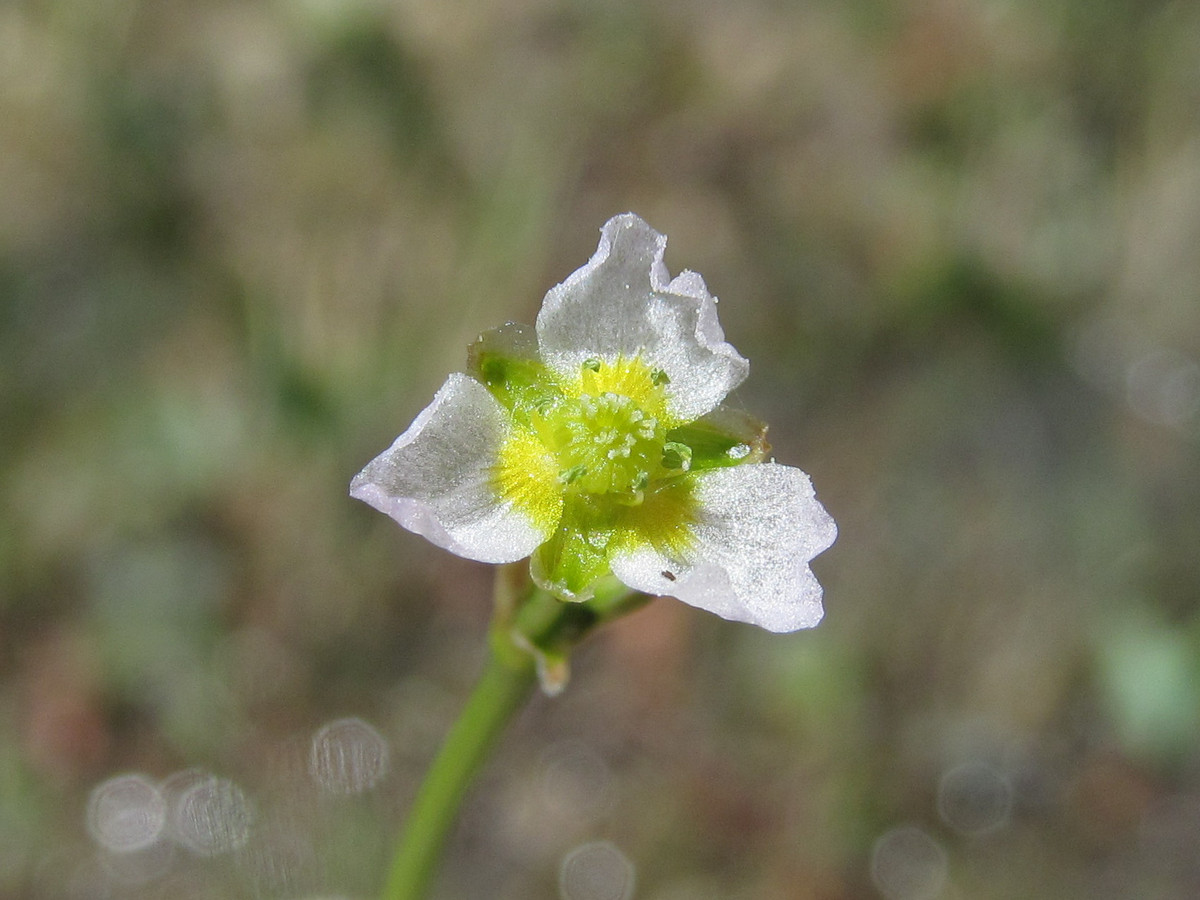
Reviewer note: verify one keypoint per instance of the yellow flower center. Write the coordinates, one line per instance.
(601, 436)
(605, 444)
(608, 430)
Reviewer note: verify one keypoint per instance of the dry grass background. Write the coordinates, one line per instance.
(241, 244)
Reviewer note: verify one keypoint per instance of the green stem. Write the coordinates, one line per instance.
(532, 634)
(507, 680)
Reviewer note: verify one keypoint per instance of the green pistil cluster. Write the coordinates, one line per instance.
(608, 434)
(605, 444)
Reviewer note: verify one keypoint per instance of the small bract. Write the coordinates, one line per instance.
(597, 443)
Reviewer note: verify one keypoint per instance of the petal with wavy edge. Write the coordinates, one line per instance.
(624, 302)
(758, 526)
(437, 478)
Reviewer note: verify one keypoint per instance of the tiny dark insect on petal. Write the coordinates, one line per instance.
(668, 575)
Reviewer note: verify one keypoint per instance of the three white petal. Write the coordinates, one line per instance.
(436, 479)
(624, 302)
(758, 524)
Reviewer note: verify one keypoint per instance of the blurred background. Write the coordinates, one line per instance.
(241, 245)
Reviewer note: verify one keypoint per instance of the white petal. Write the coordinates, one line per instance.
(759, 525)
(624, 302)
(436, 479)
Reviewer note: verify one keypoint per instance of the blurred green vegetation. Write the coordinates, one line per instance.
(241, 244)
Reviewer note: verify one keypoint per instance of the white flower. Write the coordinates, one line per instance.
(597, 443)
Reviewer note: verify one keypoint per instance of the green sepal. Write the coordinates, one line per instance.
(723, 437)
(676, 455)
(568, 566)
(575, 557)
(505, 360)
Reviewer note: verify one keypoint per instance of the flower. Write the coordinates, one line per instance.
(597, 443)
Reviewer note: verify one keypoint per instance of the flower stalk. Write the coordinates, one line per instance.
(506, 682)
(530, 638)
